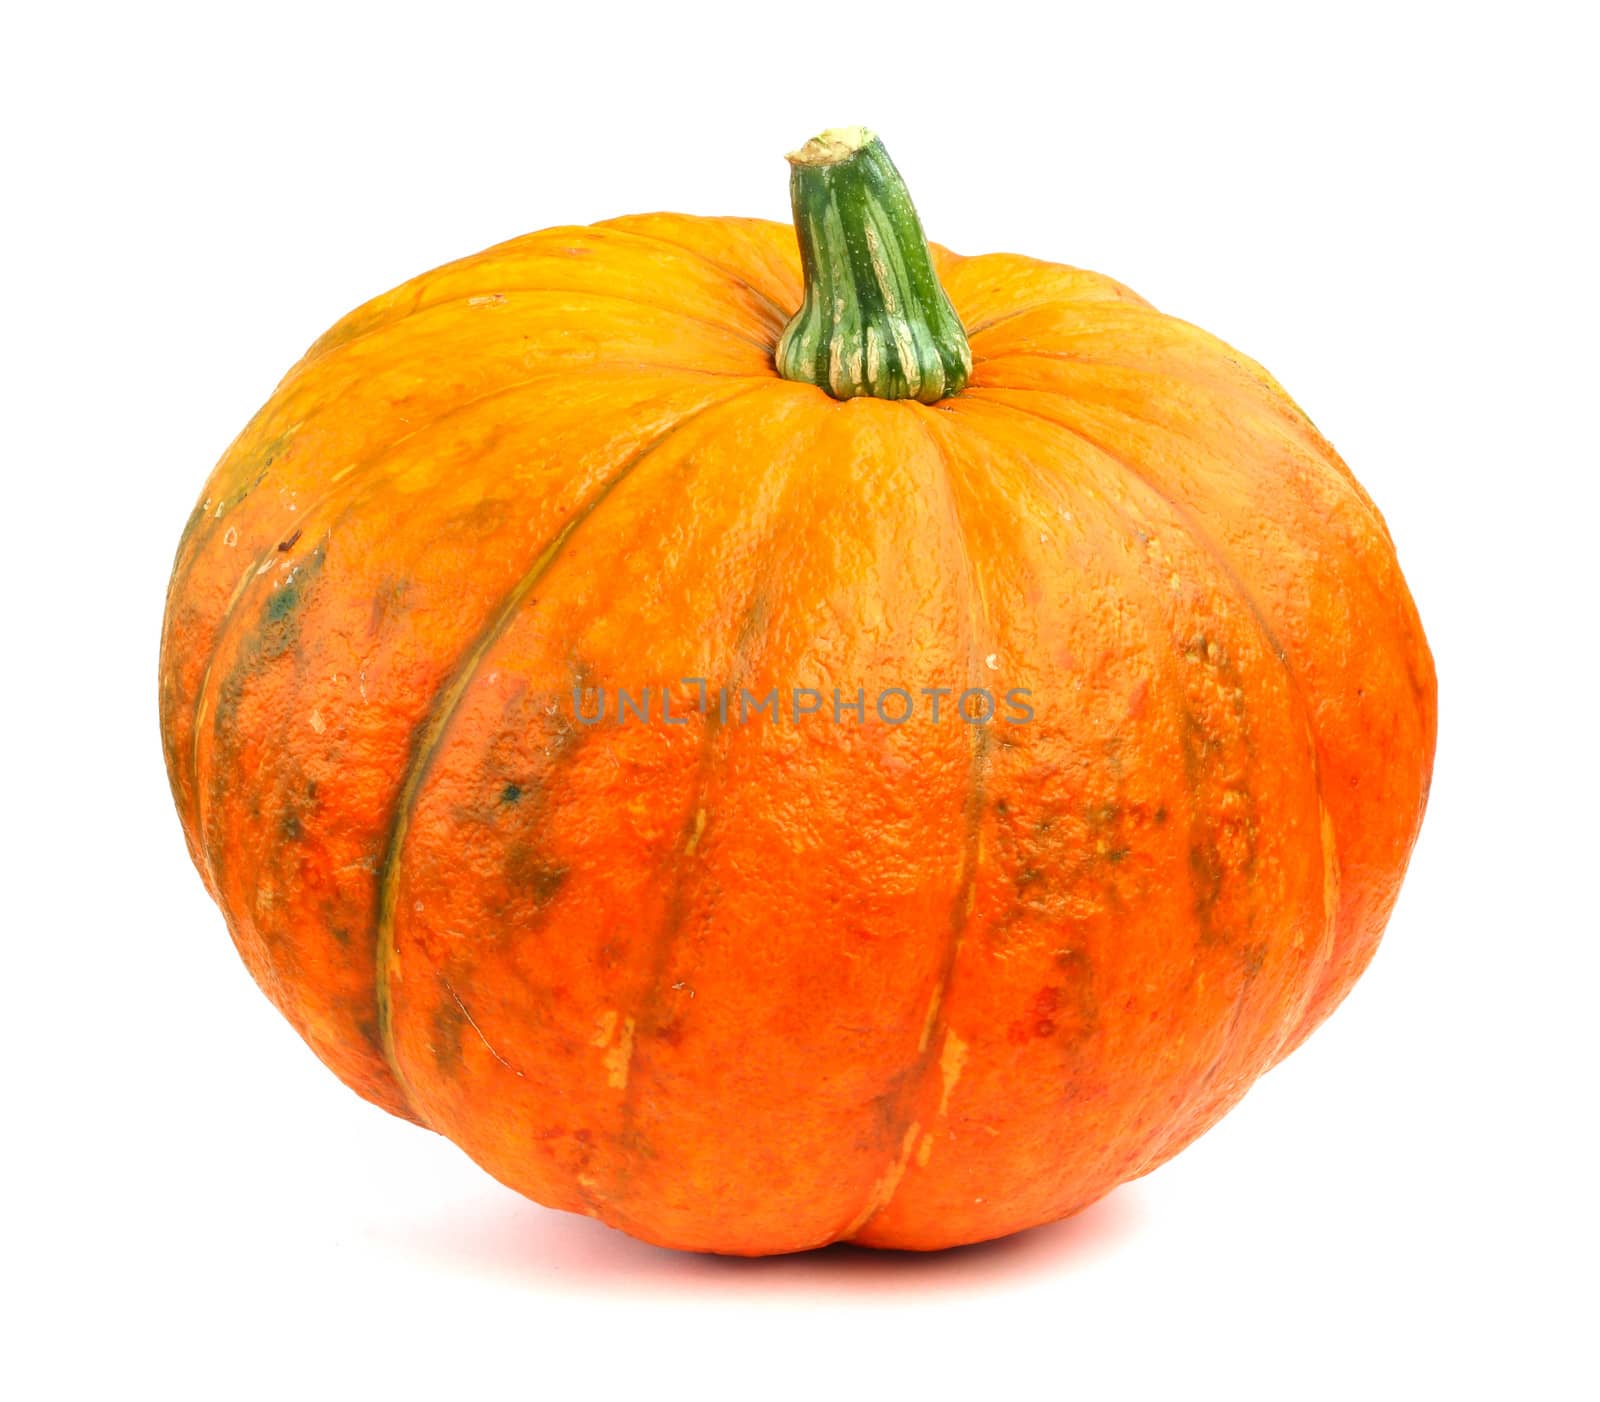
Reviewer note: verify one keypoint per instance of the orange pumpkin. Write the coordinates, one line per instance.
(768, 956)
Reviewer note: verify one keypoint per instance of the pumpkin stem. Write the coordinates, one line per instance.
(875, 320)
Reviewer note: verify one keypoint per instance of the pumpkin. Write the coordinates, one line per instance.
(768, 737)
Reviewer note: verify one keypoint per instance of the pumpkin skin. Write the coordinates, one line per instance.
(753, 988)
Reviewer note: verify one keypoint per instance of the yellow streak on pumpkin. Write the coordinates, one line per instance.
(620, 1057)
(951, 1061)
(884, 1189)
(1330, 868)
(972, 884)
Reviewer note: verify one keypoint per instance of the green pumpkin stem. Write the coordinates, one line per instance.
(875, 320)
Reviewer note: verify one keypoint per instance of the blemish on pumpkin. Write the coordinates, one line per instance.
(694, 837)
(619, 1059)
(389, 598)
(1137, 699)
(462, 1007)
(1205, 866)
(924, 1151)
(277, 633)
(884, 1189)
(283, 602)
(445, 1044)
(542, 878)
(929, 1020)
(287, 543)
(317, 723)
(605, 1028)
(952, 1059)
(511, 793)
(189, 525)
(230, 537)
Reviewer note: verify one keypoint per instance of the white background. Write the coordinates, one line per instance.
(1390, 207)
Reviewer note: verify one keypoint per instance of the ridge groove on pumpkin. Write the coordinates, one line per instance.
(746, 653)
(733, 275)
(433, 729)
(1319, 453)
(422, 308)
(1203, 539)
(932, 1045)
(282, 441)
(1054, 482)
(348, 476)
